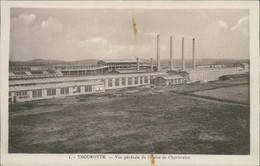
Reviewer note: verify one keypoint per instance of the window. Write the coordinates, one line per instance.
(88, 88)
(21, 93)
(23, 97)
(117, 82)
(78, 89)
(136, 80)
(48, 92)
(123, 81)
(37, 93)
(64, 91)
(141, 80)
(146, 79)
(51, 92)
(129, 81)
(110, 84)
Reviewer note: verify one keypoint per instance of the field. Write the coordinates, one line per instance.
(238, 94)
(123, 121)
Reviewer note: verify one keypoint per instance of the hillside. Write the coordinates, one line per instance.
(164, 62)
(43, 62)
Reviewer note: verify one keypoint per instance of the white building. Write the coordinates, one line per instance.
(35, 89)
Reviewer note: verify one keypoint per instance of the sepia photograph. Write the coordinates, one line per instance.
(128, 80)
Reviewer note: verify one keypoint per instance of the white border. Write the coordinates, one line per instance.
(62, 159)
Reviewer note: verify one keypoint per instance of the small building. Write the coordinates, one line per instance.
(170, 80)
(242, 66)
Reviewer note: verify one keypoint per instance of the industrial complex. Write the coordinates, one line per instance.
(28, 83)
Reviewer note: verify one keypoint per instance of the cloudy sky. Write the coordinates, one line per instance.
(75, 34)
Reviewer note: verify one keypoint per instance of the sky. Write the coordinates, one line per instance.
(77, 34)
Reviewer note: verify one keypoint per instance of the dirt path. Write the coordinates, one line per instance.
(212, 100)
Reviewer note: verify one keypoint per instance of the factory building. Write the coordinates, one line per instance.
(45, 91)
(126, 64)
(21, 72)
(84, 79)
(114, 64)
(35, 89)
(19, 69)
(81, 70)
(211, 66)
(212, 74)
(170, 80)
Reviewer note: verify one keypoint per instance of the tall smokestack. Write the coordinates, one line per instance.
(171, 60)
(193, 54)
(158, 55)
(151, 64)
(182, 53)
(138, 66)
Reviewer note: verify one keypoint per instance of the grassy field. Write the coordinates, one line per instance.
(122, 121)
(239, 94)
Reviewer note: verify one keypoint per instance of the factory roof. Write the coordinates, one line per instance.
(78, 67)
(56, 85)
(79, 78)
(245, 64)
(120, 60)
(171, 77)
(197, 70)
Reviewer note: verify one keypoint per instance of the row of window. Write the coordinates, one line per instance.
(23, 97)
(21, 93)
(36, 93)
(176, 80)
(130, 82)
(52, 92)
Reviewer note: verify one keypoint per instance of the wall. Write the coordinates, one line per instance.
(95, 89)
(212, 74)
(106, 82)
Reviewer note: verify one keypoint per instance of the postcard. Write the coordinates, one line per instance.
(130, 83)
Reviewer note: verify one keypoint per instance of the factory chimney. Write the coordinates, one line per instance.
(158, 55)
(151, 64)
(182, 53)
(193, 54)
(138, 66)
(171, 60)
